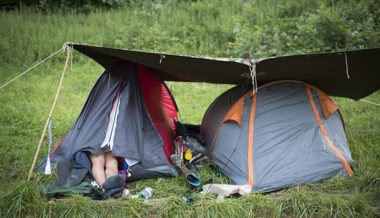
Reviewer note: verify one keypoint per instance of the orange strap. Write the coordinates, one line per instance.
(250, 141)
(346, 165)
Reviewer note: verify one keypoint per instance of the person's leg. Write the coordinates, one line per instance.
(98, 167)
(111, 165)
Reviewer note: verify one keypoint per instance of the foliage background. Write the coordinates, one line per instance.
(31, 30)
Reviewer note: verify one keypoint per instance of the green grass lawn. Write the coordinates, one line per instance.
(216, 28)
(25, 107)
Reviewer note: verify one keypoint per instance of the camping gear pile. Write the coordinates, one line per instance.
(277, 128)
(188, 148)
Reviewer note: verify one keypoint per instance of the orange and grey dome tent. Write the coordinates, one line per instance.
(288, 133)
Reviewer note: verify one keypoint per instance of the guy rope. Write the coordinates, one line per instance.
(51, 111)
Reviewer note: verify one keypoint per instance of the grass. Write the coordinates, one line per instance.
(26, 104)
(210, 28)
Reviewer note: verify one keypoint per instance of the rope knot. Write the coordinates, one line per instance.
(252, 69)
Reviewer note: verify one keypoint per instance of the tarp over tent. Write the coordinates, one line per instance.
(351, 74)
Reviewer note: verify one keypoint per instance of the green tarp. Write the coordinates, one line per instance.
(351, 74)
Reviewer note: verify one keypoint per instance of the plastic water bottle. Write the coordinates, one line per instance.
(220, 197)
(146, 193)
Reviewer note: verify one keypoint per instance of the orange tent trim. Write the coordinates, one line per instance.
(250, 141)
(346, 165)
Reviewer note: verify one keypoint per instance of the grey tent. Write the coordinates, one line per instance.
(289, 133)
(131, 110)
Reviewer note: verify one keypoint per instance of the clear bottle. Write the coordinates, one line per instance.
(146, 193)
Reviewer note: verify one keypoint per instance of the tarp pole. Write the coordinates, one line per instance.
(51, 112)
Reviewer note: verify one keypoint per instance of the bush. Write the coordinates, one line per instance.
(81, 6)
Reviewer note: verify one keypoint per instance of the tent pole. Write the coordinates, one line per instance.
(51, 112)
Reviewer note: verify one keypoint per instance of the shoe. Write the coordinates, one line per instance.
(190, 177)
(112, 182)
(112, 193)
